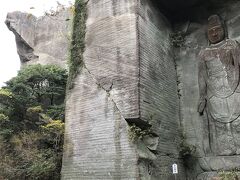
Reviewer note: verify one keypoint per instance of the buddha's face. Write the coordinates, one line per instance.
(216, 34)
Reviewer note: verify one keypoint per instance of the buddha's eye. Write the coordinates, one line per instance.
(211, 31)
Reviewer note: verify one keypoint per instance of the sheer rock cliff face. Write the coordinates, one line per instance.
(132, 75)
(41, 40)
(195, 127)
(128, 78)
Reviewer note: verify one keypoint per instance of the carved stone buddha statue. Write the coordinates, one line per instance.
(219, 90)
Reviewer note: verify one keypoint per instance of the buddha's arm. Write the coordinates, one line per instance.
(236, 59)
(202, 86)
(236, 52)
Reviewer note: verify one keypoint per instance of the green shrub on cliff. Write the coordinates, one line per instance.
(77, 45)
(32, 123)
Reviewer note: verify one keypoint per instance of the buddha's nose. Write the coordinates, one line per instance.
(214, 33)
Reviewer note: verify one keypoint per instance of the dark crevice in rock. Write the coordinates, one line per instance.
(138, 122)
(182, 10)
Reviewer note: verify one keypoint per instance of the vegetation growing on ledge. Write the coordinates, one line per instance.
(78, 40)
(229, 175)
(32, 123)
(135, 133)
(177, 39)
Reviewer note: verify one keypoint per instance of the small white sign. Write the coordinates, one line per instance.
(175, 168)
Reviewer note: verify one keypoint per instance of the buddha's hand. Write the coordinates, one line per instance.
(201, 106)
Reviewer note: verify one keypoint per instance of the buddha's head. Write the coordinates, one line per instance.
(215, 31)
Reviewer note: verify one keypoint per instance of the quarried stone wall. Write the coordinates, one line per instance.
(126, 86)
(159, 102)
(104, 94)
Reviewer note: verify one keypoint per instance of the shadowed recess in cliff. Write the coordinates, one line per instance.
(179, 10)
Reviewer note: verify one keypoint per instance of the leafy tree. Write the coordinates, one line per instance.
(32, 123)
(37, 85)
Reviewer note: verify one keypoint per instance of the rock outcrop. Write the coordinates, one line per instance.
(129, 56)
(132, 111)
(127, 86)
(41, 40)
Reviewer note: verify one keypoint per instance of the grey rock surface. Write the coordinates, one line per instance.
(96, 139)
(216, 163)
(207, 176)
(196, 127)
(159, 103)
(131, 74)
(41, 40)
(128, 77)
(105, 92)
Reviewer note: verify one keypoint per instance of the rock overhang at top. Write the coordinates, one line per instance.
(175, 4)
(176, 10)
(41, 40)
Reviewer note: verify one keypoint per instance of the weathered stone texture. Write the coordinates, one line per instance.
(105, 93)
(195, 126)
(41, 40)
(128, 76)
(111, 52)
(159, 104)
(96, 138)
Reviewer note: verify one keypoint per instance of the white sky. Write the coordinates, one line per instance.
(9, 61)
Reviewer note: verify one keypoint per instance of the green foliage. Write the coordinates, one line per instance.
(5, 130)
(3, 119)
(135, 132)
(78, 40)
(4, 93)
(56, 112)
(42, 167)
(38, 83)
(33, 115)
(5, 98)
(30, 160)
(31, 142)
(229, 175)
(177, 39)
(54, 127)
(54, 131)
(35, 85)
(73, 10)
(186, 150)
(36, 109)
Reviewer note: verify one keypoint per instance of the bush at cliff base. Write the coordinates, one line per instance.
(32, 123)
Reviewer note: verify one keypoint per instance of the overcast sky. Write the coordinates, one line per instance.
(9, 61)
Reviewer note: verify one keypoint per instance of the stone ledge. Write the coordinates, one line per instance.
(217, 163)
